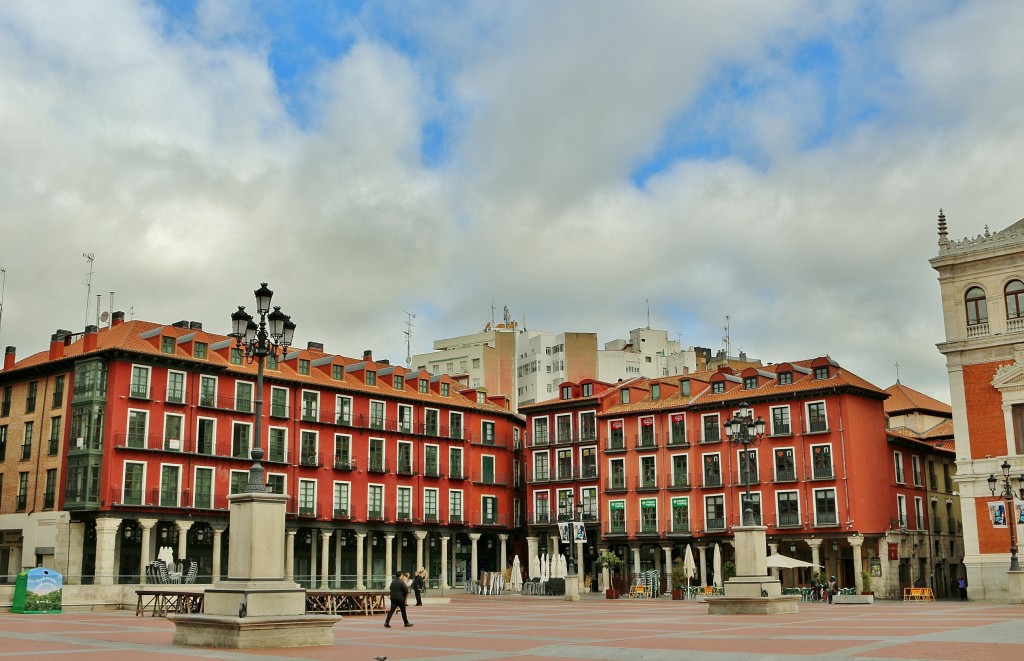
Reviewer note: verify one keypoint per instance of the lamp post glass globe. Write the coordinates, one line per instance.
(273, 334)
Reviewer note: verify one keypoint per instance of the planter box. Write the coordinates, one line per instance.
(677, 595)
(853, 599)
(611, 593)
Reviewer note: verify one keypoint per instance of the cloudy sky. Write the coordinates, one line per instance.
(782, 163)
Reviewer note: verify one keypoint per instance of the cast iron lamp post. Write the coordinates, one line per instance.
(1011, 518)
(745, 431)
(574, 513)
(273, 334)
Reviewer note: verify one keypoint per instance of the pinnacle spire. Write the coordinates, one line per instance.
(943, 235)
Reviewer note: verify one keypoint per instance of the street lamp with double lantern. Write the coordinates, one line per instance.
(745, 431)
(1008, 495)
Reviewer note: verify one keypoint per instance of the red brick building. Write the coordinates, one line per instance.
(650, 462)
(386, 468)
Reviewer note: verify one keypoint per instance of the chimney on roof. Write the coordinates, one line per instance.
(117, 318)
(385, 361)
(180, 324)
(9, 357)
(195, 325)
(368, 355)
(57, 345)
(91, 339)
(315, 346)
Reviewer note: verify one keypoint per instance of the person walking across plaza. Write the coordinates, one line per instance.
(961, 585)
(419, 584)
(832, 588)
(399, 593)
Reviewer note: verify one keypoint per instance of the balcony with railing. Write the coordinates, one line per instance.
(168, 497)
(678, 482)
(377, 465)
(647, 483)
(456, 473)
(648, 441)
(829, 519)
(540, 476)
(305, 510)
(490, 479)
(175, 396)
(432, 471)
(491, 518)
(310, 459)
(616, 444)
(789, 520)
(616, 528)
(139, 390)
(538, 440)
(616, 484)
(678, 441)
(540, 518)
(714, 524)
(342, 514)
(378, 512)
(712, 480)
(344, 463)
(977, 330)
(405, 467)
(823, 473)
(647, 528)
(785, 474)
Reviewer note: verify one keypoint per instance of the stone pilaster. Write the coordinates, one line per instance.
(183, 528)
(389, 545)
(106, 539)
(858, 562)
(420, 536)
(360, 546)
(146, 547)
(325, 557)
(289, 555)
(444, 562)
(474, 537)
(218, 543)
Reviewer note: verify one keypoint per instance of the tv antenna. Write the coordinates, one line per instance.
(408, 337)
(725, 338)
(89, 258)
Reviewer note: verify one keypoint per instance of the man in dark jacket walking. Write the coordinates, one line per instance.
(399, 593)
(419, 584)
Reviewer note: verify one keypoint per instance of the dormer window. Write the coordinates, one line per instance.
(655, 392)
(399, 383)
(588, 389)
(481, 398)
(337, 371)
(303, 366)
(625, 396)
(424, 386)
(821, 372)
(567, 392)
(167, 344)
(444, 389)
(236, 356)
(271, 362)
(371, 378)
(785, 378)
(750, 382)
(684, 387)
(199, 350)
(718, 387)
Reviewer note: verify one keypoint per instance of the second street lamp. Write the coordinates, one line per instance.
(744, 430)
(1008, 495)
(273, 334)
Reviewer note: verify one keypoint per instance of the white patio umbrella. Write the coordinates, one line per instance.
(786, 562)
(535, 566)
(517, 575)
(689, 566)
(563, 566)
(717, 561)
(166, 554)
(545, 568)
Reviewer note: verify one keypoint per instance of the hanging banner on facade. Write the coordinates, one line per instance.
(997, 513)
(579, 531)
(563, 532)
(647, 422)
(677, 417)
(616, 424)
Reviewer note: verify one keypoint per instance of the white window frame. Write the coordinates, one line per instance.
(231, 475)
(897, 458)
(216, 386)
(462, 504)
(252, 393)
(704, 427)
(284, 480)
(270, 403)
(184, 387)
(901, 510)
(452, 415)
(383, 413)
(778, 512)
(149, 382)
(437, 505)
(651, 459)
(383, 504)
(213, 441)
(301, 496)
(807, 416)
(347, 513)
(919, 512)
(915, 467)
(286, 441)
(177, 490)
(124, 475)
(305, 414)
(340, 405)
(166, 442)
(771, 420)
(672, 465)
(398, 501)
(213, 484)
(405, 426)
(547, 426)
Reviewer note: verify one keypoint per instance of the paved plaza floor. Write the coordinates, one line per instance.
(478, 628)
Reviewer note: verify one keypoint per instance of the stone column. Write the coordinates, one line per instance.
(217, 543)
(636, 560)
(531, 552)
(667, 565)
(312, 558)
(76, 544)
(183, 528)
(774, 548)
(815, 545)
(605, 582)
(369, 559)
(325, 556)
(289, 555)
(702, 550)
(400, 543)
(145, 545)
(474, 537)
(360, 545)
(420, 536)
(857, 542)
(502, 551)
(106, 538)
(444, 562)
(339, 546)
(389, 545)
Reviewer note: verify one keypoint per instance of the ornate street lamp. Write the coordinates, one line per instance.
(574, 513)
(745, 431)
(271, 336)
(1011, 518)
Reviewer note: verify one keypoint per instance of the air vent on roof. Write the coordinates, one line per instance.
(195, 325)
(180, 324)
(315, 346)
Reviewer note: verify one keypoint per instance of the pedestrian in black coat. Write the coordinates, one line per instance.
(399, 593)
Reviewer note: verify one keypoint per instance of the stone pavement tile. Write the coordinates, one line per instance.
(947, 651)
(739, 645)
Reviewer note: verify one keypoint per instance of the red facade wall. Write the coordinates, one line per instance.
(984, 410)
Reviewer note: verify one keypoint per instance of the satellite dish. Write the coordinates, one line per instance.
(104, 316)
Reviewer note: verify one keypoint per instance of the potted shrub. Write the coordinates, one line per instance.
(728, 570)
(865, 580)
(679, 581)
(612, 562)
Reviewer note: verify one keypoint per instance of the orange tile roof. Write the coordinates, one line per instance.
(839, 378)
(127, 336)
(903, 399)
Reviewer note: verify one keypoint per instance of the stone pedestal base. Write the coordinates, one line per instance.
(753, 595)
(262, 599)
(572, 587)
(253, 632)
(1015, 586)
(753, 605)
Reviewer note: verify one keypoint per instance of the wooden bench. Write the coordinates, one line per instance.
(162, 602)
(918, 594)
